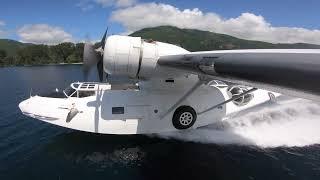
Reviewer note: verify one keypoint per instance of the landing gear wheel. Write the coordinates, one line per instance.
(184, 117)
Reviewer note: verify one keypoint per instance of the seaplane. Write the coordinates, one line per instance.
(150, 87)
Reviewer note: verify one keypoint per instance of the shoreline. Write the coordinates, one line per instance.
(27, 65)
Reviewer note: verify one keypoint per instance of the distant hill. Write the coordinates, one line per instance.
(196, 40)
(11, 46)
(16, 53)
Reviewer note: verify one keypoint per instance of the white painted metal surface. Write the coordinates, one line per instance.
(143, 110)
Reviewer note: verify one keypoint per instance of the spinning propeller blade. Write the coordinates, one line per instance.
(103, 40)
(92, 56)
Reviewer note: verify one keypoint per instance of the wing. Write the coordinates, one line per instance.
(293, 72)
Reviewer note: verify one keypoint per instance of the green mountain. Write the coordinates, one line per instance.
(17, 53)
(196, 40)
(11, 46)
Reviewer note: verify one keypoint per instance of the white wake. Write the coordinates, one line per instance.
(291, 123)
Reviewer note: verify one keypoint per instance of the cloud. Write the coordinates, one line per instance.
(43, 34)
(2, 23)
(117, 3)
(246, 25)
(85, 5)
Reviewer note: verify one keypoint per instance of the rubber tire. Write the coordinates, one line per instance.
(176, 116)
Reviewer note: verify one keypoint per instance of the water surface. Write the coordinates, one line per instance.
(270, 143)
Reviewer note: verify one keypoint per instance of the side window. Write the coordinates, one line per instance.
(86, 93)
(117, 110)
(169, 80)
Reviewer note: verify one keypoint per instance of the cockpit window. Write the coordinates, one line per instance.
(78, 90)
(70, 92)
(86, 93)
(75, 85)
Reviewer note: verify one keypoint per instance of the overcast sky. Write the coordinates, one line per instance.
(52, 22)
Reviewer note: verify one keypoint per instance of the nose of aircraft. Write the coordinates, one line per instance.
(23, 106)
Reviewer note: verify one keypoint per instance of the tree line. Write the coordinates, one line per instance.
(43, 54)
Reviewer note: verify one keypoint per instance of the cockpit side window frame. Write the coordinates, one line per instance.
(88, 89)
(75, 91)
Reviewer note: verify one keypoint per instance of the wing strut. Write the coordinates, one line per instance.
(229, 100)
(188, 93)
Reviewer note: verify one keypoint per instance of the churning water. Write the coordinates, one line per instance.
(290, 123)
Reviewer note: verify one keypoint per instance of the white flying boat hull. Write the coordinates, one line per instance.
(136, 111)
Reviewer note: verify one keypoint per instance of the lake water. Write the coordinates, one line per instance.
(273, 142)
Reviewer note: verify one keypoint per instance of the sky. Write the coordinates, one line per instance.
(53, 22)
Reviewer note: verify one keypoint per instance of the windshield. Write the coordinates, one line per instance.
(70, 92)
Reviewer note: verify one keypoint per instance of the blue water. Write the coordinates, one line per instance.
(31, 149)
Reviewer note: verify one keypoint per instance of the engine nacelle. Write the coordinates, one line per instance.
(133, 57)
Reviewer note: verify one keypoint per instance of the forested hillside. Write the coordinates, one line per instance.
(17, 53)
(196, 40)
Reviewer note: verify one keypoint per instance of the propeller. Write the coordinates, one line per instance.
(92, 56)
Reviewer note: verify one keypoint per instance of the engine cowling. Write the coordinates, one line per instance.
(133, 57)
